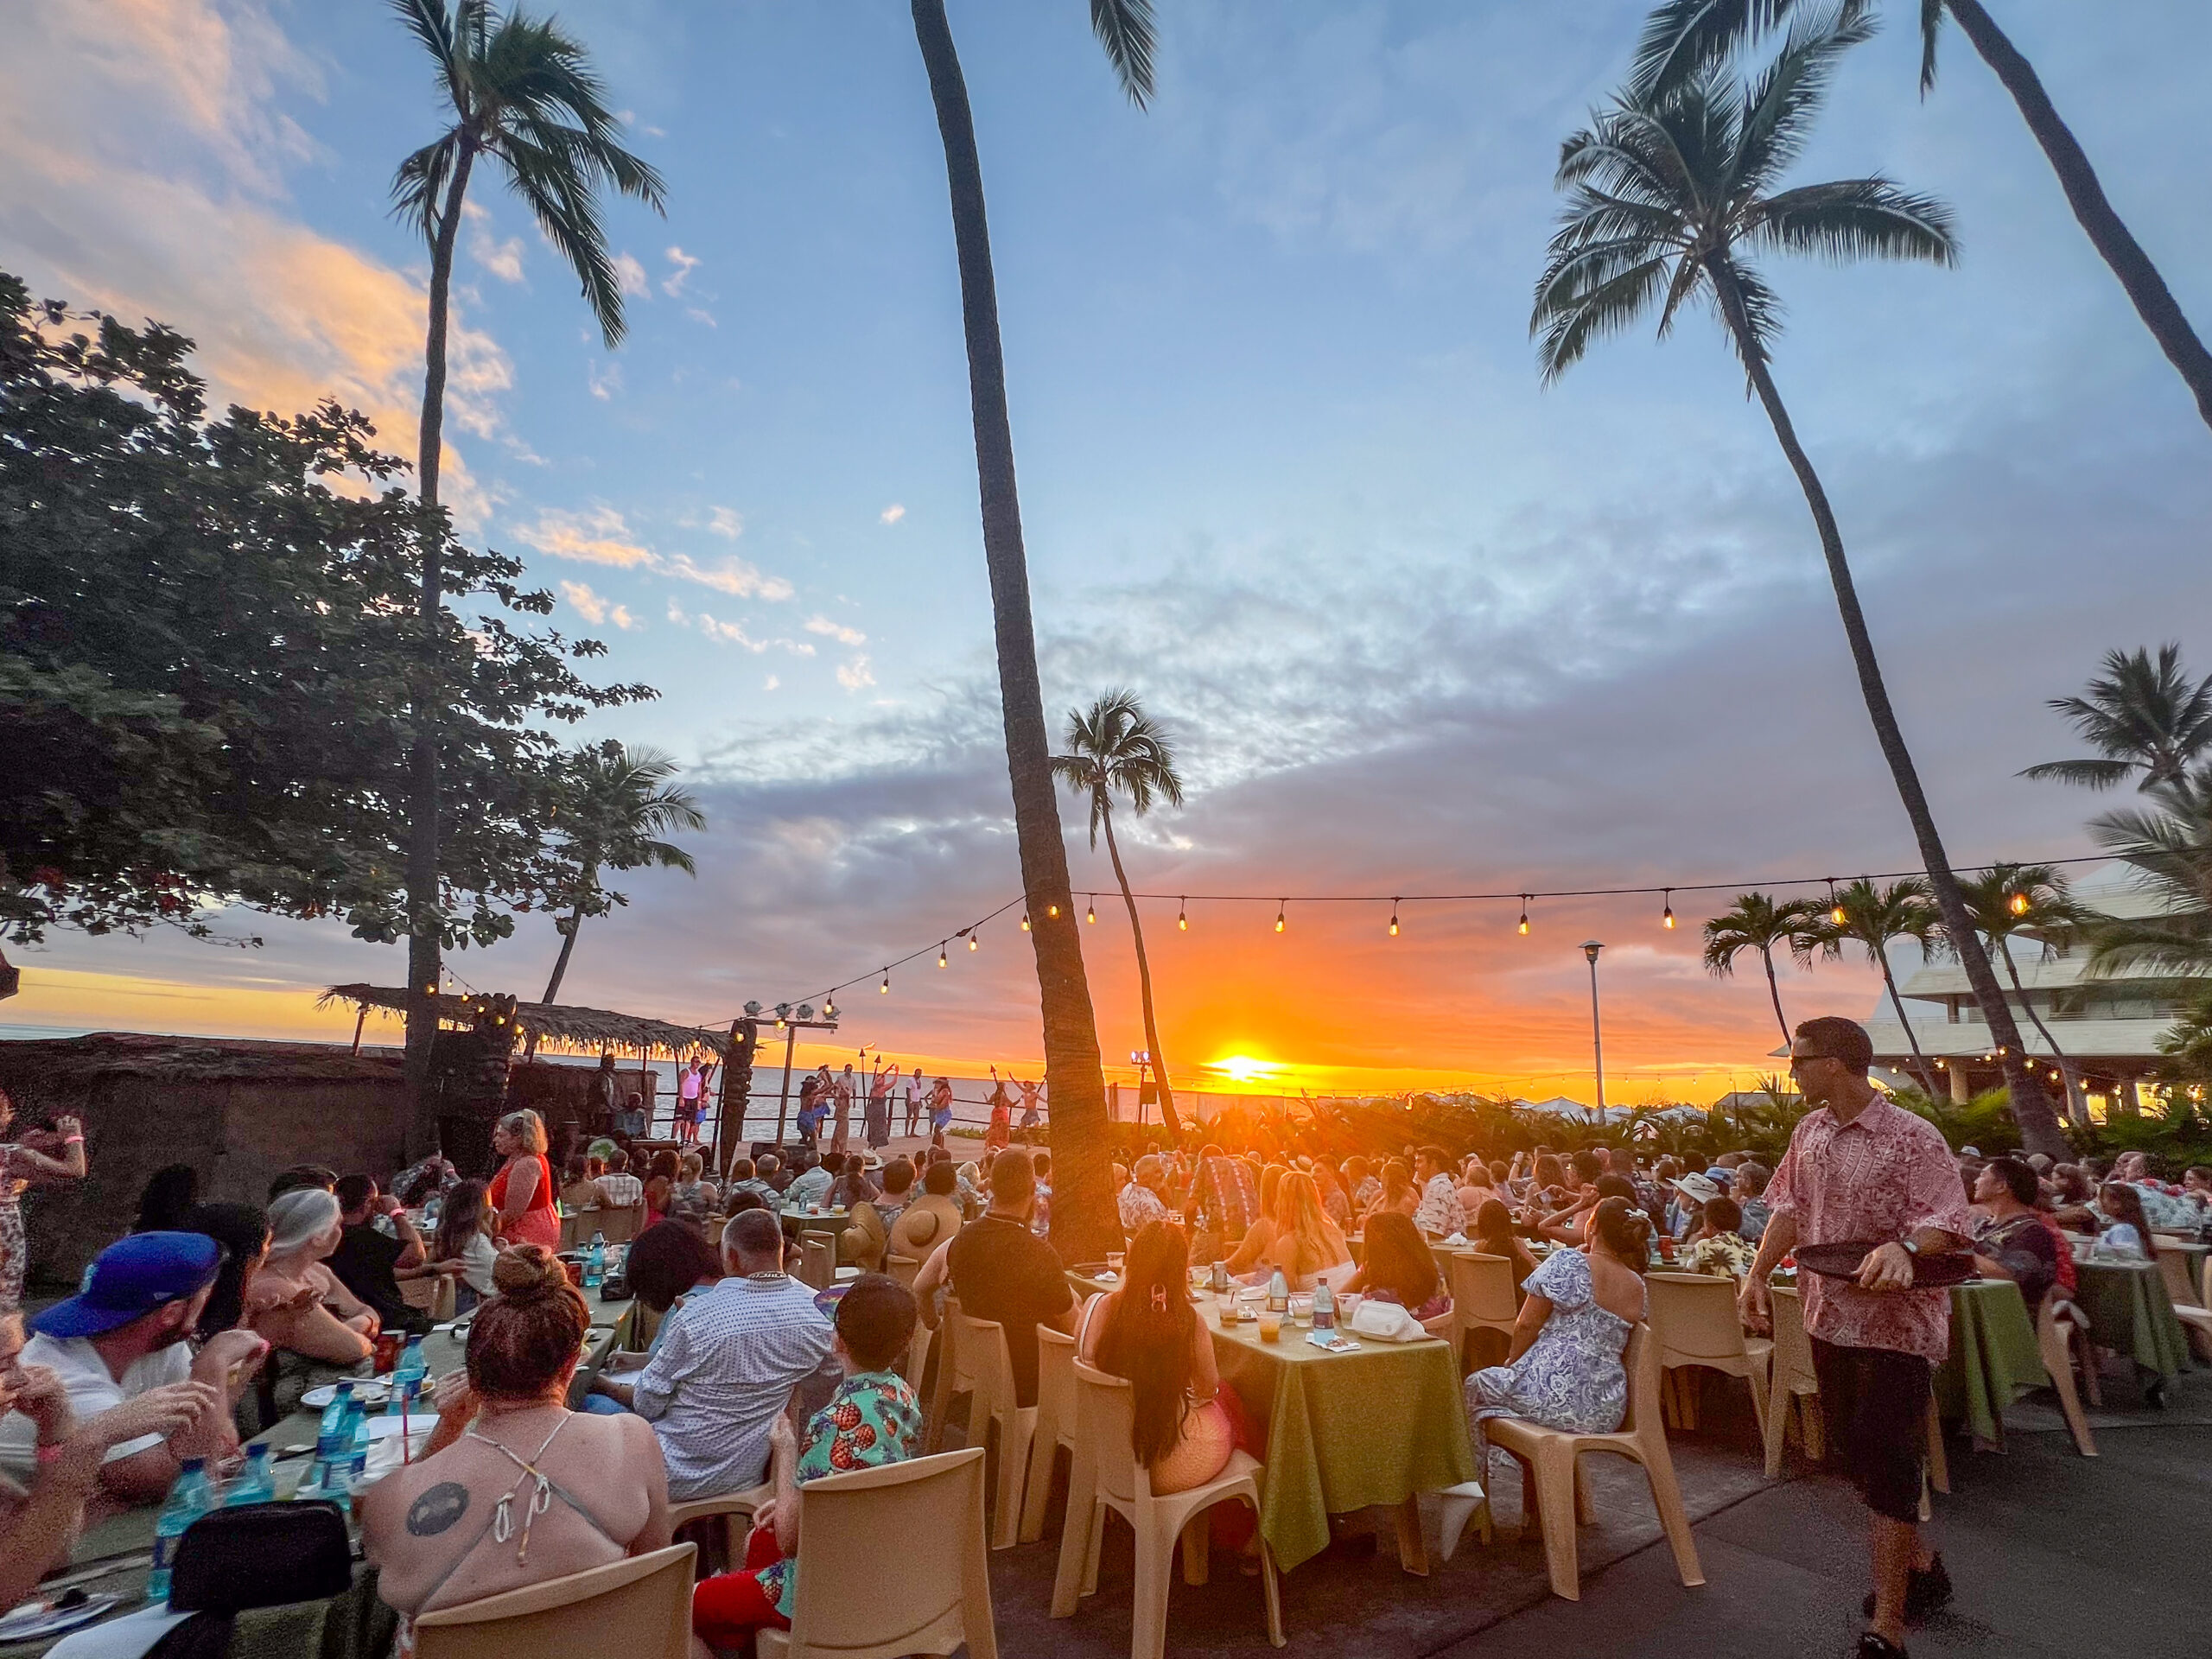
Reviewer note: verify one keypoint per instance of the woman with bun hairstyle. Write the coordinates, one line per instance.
(515, 1489)
(1564, 1369)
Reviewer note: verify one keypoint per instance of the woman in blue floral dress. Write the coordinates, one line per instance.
(873, 1419)
(1564, 1370)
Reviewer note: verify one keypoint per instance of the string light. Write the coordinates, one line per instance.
(1052, 910)
(1394, 918)
(972, 934)
(1024, 921)
(1836, 904)
(1183, 915)
(1667, 916)
(1091, 911)
(1524, 915)
(1280, 903)
(886, 986)
(940, 951)
(2019, 904)
(828, 1008)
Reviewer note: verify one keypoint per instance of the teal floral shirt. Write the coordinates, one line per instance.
(873, 1419)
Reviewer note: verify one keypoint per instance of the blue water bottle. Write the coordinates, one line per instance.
(333, 1441)
(407, 1379)
(189, 1498)
(596, 1262)
(256, 1483)
(358, 1440)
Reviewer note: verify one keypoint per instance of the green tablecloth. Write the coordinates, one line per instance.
(2130, 1312)
(1993, 1356)
(1344, 1431)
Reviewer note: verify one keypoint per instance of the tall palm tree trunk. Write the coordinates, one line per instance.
(561, 962)
(424, 959)
(1085, 1222)
(2040, 1127)
(2161, 314)
(2076, 1108)
(1168, 1119)
(1774, 990)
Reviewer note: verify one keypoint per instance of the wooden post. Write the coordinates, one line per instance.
(357, 1024)
(784, 1100)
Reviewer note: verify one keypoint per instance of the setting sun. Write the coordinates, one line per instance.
(1242, 1068)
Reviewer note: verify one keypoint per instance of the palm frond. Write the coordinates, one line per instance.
(1585, 293)
(419, 188)
(1856, 219)
(2087, 774)
(569, 215)
(1683, 38)
(1931, 26)
(1779, 106)
(1124, 28)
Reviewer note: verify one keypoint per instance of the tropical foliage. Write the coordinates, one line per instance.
(618, 804)
(2147, 720)
(1670, 190)
(2168, 841)
(1876, 918)
(2010, 900)
(1083, 1220)
(1115, 749)
(206, 651)
(1757, 922)
(523, 95)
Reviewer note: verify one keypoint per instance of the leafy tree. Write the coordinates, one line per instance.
(1757, 922)
(1116, 748)
(1669, 190)
(206, 651)
(618, 804)
(523, 95)
(2169, 844)
(2009, 899)
(1083, 1220)
(1684, 36)
(1878, 918)
(2146, 719)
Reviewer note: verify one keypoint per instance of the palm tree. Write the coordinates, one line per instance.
(622, 804)
(1116, 748)
(523, 94)
(2146, 719)
(1083, 1221)
(1684, 35)
(1668, 189)
(2171, 847)
(2010, 899)
(1878, 918)
(1757, 922)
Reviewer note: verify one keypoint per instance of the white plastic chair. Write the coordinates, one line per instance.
(1481, 1299)
(736, 1510)
(1055, 1426)
(1106, 1476)
(1793, 1382)
(861, 1597)
(1694, 1316)
(982, 1369)
(639, 1607)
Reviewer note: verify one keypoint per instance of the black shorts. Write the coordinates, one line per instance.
(1874, 1406)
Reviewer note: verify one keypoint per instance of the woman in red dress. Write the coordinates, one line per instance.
(522, 1192)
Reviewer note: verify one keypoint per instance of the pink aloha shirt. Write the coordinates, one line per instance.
(1883, 1175)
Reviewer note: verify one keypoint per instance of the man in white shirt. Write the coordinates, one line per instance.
(123, 1337)
(1439, 1213)
(727, 1362)
(917, 1091)
(810, 1186)
(618, 1189)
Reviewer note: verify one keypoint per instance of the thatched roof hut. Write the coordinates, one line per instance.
(555, 1022)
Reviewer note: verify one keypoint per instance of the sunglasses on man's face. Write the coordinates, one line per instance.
(1797, 1060)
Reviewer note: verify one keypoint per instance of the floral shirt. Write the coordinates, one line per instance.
(1723, 1255)
(1370, 1189)
(1439, 1213)
(873, 1419)
(1140, 1205)
(1883, 1175)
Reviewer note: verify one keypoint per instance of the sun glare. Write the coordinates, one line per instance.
(1242, 1068)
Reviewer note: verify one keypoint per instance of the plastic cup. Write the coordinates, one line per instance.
(1114, 1260)
(1301, 1311)
(1232, 1310)
(1270, 1326)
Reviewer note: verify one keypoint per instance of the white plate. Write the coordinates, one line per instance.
(370, 1391)
(32, 1622)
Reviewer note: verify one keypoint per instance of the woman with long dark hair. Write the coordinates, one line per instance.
(2128, 1229)
(1401, 1268)
(464, 1242)
(242, 1231)
(1494, 1236)
(1184, 1423)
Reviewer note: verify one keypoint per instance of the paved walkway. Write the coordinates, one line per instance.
(2054, 1554)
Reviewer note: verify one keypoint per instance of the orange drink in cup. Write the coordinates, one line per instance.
(1270, 1325)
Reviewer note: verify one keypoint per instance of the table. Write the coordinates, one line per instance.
(1346, 1431)
(123, 1542)
(2130, 1312)
(1994, 1356)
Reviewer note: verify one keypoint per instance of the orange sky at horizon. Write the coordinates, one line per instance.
(1331, 1005)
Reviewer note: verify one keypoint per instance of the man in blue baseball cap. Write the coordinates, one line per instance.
(125, 1334)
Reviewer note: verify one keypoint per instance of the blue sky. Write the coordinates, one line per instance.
(1286, 467)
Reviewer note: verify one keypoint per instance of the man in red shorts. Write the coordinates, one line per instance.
(1860, 1168)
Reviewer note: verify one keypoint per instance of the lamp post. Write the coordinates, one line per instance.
(1590, 949)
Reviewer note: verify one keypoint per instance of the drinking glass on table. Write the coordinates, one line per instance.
(1114, 1260)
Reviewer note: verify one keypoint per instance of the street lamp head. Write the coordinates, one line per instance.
(1590, 948)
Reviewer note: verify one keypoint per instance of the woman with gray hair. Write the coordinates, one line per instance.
(523, 1191)
(297, 1302)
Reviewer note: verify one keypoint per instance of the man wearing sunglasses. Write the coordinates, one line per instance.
(1858, 1169)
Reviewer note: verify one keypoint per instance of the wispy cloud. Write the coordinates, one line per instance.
(598, 609)
(854, 675)
(893, 514)
(725, 521)
(732, 576)
(630, 277)
(837, 631)
(597, 536)
(605, 379)
(684, 265)
(501, 257)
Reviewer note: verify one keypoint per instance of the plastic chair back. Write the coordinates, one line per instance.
(818, 1261)
(902, 1268)
(640, 1608)
(615, 1226)
(1694, 1315)
(2173, 1267)
(1106, 1417)
(927, 1594)
(1641, 1361)
(1055, 1380)
(980, 1364)
(1793, 1349)
(1482, 1289)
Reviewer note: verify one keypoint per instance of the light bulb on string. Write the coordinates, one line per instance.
(1394, 918)
(972, 934)
(940, 951)
(1052, 910)
(1836, 904)
(1524, 915)
(886, 986)
(829, 1007)
(1091, 910)
(1280, 904)
(1183, 915)
(2018, 904)
(1667, 915)
(1024, 921)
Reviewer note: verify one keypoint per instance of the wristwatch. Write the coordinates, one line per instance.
(1911, 1247)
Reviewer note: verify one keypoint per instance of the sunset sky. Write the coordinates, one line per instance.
(1421, 624)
